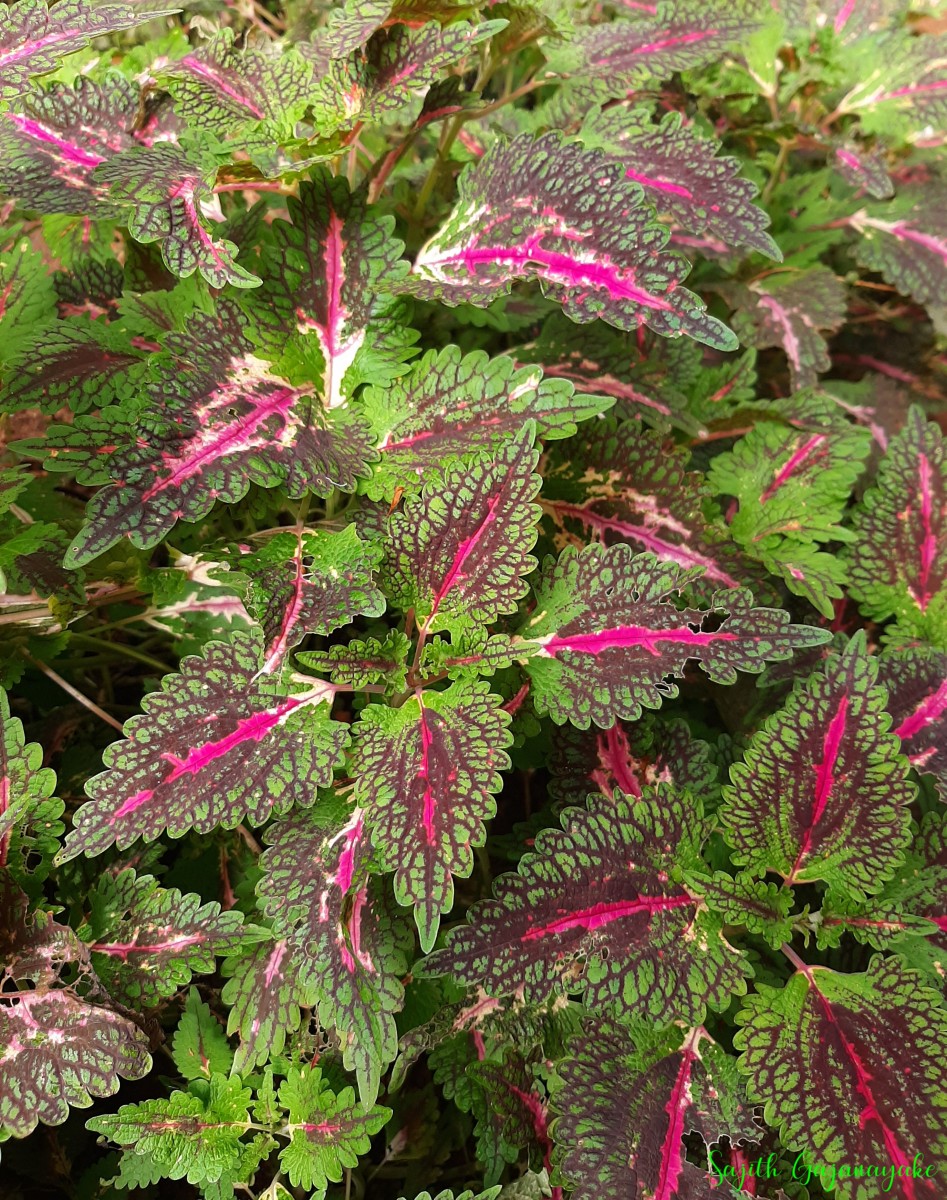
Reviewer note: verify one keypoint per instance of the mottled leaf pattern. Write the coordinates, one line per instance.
(916, 680)
(625, 1109)
(524, 212)
(612, 639)
(353, 947)
(266, 993)
(823, 792)
(217, 744)
(898, 560)
(828, 1054)
(595, 910)
(909, 251)
(426, 775)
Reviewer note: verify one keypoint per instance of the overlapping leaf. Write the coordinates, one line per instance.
(612, 638)
(626, 1107)
(265, 993)
(460, 549)
(793, 483)
(34, 37)
(828, 1055)
(898, 560)
(323, 284)
(61, 1046)
(146, 941)
(305, 583)
(328, 1133)
(55, 139)
(916, 679)
(353, 946)
(426, 774)
(682, 176)
(217, 744)
(165, 189)
(792, 311)
(823, 792)
(596, 910)
(451, 404)
(217, 420)
(622, 482)
(525, 211)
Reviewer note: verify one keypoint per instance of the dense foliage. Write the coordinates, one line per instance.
(473, 547)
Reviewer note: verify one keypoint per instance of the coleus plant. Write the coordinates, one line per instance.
(473, 589)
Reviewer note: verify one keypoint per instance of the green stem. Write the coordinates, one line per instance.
(85, 639)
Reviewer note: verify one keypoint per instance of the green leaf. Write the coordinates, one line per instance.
(200, 1046)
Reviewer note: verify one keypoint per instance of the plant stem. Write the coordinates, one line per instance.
(73, 692)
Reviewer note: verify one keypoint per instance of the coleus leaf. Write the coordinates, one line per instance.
(364, 661)
(623, 482)
(28, 809)
(27, 298)
(596, 910)
(328, 1133)
(146, 941)
(193, 1135)
(909, 251)
(54, 140)
(682, 175)
(626, 1104)
(217, 744)
(451, 404)
(611, 638)
(265, 994)
(628, 758)
(916, 679)
(353, 945)
(524, 212)
(218, 420)
(864, 170)
(165, 188)
(200, 1044)
(460, 549)
(425, 775)
(512, 1117)
(302, 583)
(905, 89)
(323, 282)
(828, 1055)
(33, 37)
(898, 559)
(791, 311)
(793, 483)
(823, 792)
(60, 1047)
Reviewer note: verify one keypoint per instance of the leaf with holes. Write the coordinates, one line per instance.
(625, 1104)
(452, 404)
(324, 285)
(612, 638)
(525, 212)
(328, 1133)
(827, 1054)
(164, 188)
(898, 559)
(302, 583)
(52, 143)
(916, 679)
(792, 311)
(34, 38)
(596, 910)
(620, 482)
(793, 482)
(425, 775)
(459, 551)
(194, 1135)
(823, 793)
(682, 176)
(146, 941)
(61, 1045)
(219, 421)
(216, 745)
(353, 944)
